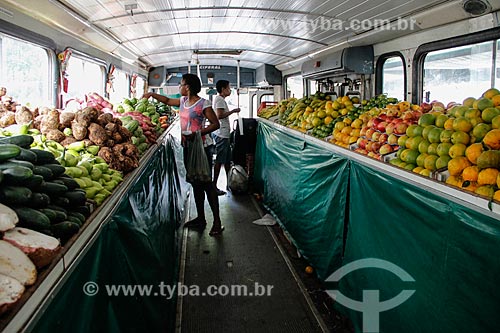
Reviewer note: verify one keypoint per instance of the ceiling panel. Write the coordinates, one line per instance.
(272, 31)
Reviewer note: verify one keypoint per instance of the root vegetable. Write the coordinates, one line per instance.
(7, 119)
(66, 118)
(55, 135)
(23, 116)
(97, 134)
(104, 119)
(68, 140)
(79, 130)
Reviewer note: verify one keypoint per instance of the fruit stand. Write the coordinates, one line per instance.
(132, 239)
(339, 206)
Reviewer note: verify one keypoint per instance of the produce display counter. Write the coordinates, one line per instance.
(130, 240)
(339, 207)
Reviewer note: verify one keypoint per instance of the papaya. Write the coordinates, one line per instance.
(492, 139)
(489, 159)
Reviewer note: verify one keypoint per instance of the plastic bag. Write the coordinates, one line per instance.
(265, 220)
(197, 167)
(237, 179)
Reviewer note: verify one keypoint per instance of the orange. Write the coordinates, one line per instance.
(460, 137)
(496, 100)
(468, 102)
(462, 124)
(309, 270)
(491, 92)
(496, 196)
(487, 176)
(458, 149)
(486, 191)
(495, 122)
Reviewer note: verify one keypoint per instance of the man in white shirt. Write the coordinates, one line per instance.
(221, 136)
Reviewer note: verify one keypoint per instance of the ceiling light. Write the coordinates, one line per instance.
(226, 52)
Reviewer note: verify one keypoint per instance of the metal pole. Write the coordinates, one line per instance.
(189, 66)
(240, 120)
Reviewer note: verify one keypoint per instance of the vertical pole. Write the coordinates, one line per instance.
(240, 120)
(189, 66)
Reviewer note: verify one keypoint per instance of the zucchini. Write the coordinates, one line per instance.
(16, 195)
(43, 157)
(53, 189)
(76, 197)
(70, 183)
(9, 151)
(33, 182)
(13, 162)
(64, 230)
(84, 210)
(46, 173)
(17, 175)
(47, 232)
(32, 218)
(39, 200)
(26, 155)
(23, 140)
(56, 169)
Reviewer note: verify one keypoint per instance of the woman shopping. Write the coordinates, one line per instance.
(194, 111)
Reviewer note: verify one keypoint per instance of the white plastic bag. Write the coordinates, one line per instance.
(265, 220)
(238, 179)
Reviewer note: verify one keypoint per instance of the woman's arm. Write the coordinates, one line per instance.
(221, 113)
(163, 99)
(212, 118)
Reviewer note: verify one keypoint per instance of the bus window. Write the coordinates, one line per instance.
(84, 77)
(453, 74)
(312, 87)
(24, 72)
(393, 78)
(294, 86)
(140, 86)
(121, 87)
(232, 102)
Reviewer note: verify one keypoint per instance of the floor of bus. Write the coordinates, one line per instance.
(280, 296)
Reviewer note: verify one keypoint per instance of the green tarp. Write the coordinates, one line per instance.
(138, 246)
(305, 186)
(450, 250)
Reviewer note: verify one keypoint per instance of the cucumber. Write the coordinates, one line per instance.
(51, 214)
(22, 140)
(53, 189)
(46, 173)
(54, 215)
(60, 201)
(70, 183)
(16, 175)
(13, 162)
(84, 210)
(79, 216)
(55, 207)
(39, 200)
(26, 155)
(76, 198)
(65, 230)
(74, 219)
(56, 169)
(43, 157)
(9, 151)
(16, 195)
(32, 218)
(33, 182)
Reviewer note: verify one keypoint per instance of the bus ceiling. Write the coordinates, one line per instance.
(280, 33)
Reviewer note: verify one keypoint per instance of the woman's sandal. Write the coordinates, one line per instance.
(216, 232)
(196, 223)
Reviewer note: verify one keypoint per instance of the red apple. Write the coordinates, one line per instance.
(362, 143)
(377, 121)
(383, 138)
(383, 116)
(397, 121)
(417, 114)
(386, 149)
(370, 122)
(392, 139)
(361, 151)
(407, 115)
(381, 126)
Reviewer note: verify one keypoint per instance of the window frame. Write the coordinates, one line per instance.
(285, 78)
(379, 73)
(422, 51)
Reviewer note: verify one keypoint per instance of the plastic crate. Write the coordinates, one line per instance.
(264, 105)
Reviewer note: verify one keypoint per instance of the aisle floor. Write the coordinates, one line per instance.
(245, 254)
